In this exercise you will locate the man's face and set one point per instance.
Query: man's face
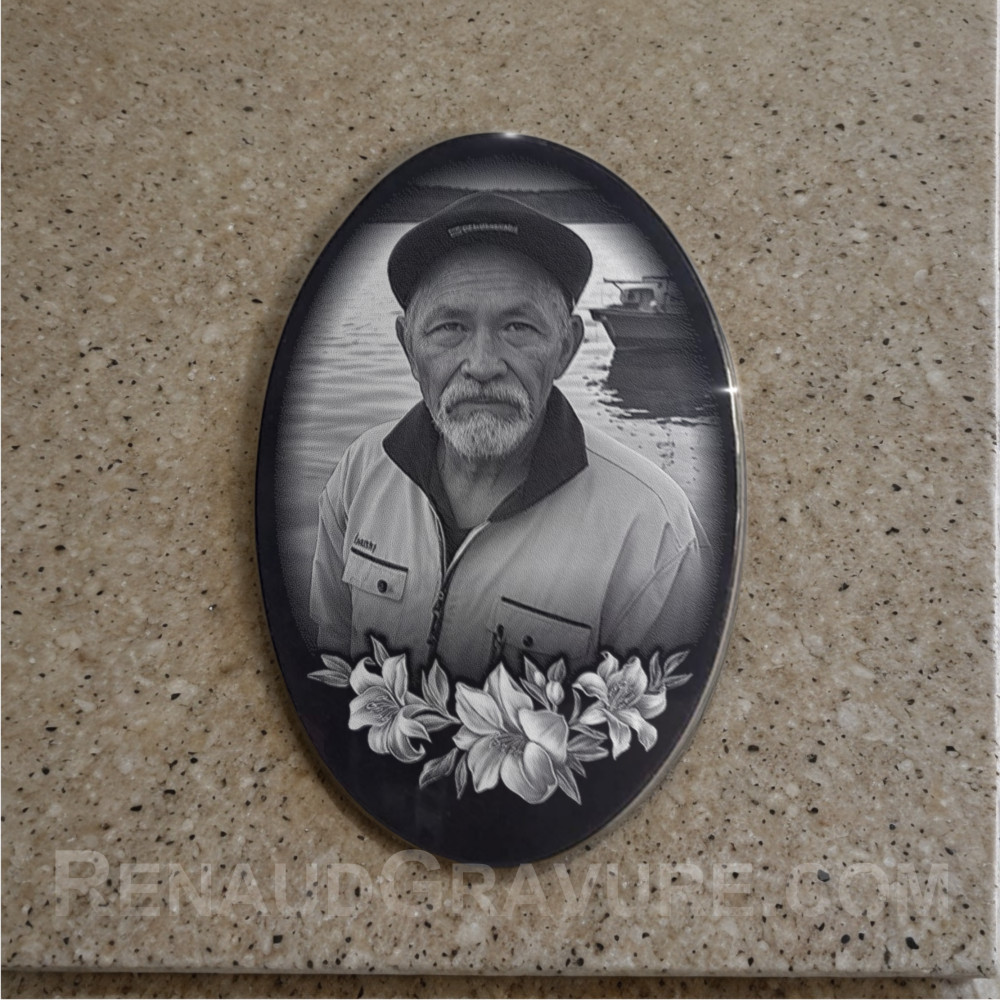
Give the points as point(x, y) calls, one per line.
point(486, 335)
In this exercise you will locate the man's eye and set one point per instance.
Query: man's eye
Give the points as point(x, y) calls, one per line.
point(519, 327)
point(450, 328)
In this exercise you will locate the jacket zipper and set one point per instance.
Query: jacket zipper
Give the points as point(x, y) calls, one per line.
point(447, 571)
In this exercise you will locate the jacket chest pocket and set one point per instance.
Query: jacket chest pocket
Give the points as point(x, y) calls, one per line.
point(377, 589)
point(541, 635)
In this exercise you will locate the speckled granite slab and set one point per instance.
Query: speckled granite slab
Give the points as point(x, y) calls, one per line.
point(170, 173)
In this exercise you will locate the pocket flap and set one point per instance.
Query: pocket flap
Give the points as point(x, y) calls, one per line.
point(374, 576)
point(535, 630)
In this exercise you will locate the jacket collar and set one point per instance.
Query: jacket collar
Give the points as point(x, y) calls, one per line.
point(560, 453)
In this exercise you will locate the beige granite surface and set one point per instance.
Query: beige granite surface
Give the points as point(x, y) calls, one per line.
point(171, 170)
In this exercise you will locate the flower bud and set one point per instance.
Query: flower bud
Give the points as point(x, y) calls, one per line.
point(557, 672)
point(554, 692)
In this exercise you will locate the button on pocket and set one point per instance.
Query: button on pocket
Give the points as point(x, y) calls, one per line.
point(523, 628)
point(375, 576)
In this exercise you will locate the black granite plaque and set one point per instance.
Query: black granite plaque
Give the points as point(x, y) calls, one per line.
point(500, 500)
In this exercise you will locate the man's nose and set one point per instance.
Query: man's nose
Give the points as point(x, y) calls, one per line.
point(484, 360)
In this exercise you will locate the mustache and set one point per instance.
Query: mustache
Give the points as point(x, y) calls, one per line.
point(464, 392)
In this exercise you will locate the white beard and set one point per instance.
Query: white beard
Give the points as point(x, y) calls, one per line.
point(483, 436)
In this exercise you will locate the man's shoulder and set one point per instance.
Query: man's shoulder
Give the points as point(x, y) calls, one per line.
point(365, 455)
point(368, 444)
point(616, 466)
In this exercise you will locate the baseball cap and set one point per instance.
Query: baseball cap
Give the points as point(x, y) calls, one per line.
point(494, 220)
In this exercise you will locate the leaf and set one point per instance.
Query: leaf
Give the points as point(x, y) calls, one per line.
point(586, 739)
point(334, 678)
point(575, 764)
point(440, 767)
point(435, 688)
point(568, 783)
point(586, 748)
point(535, 691)
point(674, 661)
point(337, 665)
point(461, 775)
point(594, 734)
point(586, 756)
point(381, 653)
point(660, 678)
point(432, 719)
point(676, 682)
point(437, 723)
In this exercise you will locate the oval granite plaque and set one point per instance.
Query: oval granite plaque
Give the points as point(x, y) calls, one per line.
point(500, 500)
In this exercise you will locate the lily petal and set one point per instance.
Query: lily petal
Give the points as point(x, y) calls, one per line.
point(378, 739)
point(508, 695)
point(647, 734)
point(401, 748)
point(592, 685)
point(435, 686)
point(410, 727)
point(478, 711)
point(608, 667)
point(634, 678)
point(621, 737)
point(651, 705)
point(370, 707)
point(548, 730)
point(593, 715)
point(466, 739)
point(529, 774)
point(484, 762)
point(396, 679)
point(362, 679)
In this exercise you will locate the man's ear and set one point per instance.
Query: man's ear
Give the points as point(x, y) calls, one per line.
point(571, 343)
point(401, 337)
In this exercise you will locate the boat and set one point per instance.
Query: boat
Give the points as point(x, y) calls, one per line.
point(649, 313)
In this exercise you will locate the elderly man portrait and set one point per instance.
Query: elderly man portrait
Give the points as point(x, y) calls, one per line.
point(489, 523)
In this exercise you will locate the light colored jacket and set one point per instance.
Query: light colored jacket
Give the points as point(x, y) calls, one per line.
point(610, 558)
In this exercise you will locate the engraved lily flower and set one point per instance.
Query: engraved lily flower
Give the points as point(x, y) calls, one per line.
point(622, 700)
point(393, 712)
point(507, 739)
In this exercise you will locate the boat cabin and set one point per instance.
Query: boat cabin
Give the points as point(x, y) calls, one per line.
point(650, 294)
